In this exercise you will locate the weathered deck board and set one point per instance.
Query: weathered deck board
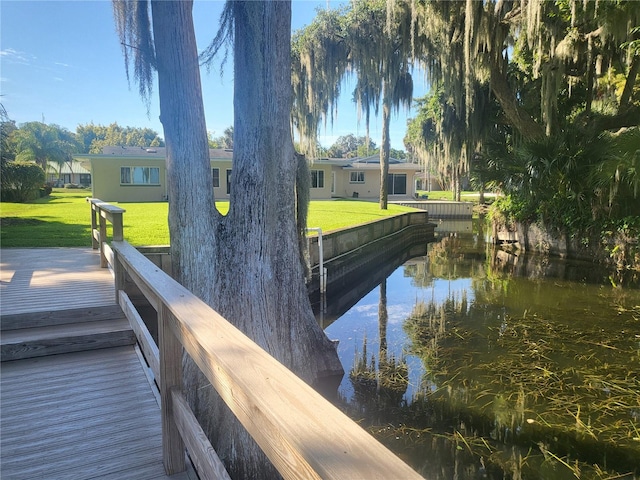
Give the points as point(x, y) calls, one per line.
point(60, 365)
point(84, 398)
point(50, 318)
point(45, 279)
point(80, 415)
point(84, 415)
point(73, 337)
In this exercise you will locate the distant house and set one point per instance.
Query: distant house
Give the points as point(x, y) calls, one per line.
point(60, 175)
point(360, 177)
point(138, 174)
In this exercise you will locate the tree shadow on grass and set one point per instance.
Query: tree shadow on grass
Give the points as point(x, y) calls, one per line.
point(33, 232)
point(75, 196)
point(19, 222)
point(55, 199)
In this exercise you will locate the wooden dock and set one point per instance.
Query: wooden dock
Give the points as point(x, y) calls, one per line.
point(440, 208)
point(46, 279)
point(78, 392)
point(93, 413)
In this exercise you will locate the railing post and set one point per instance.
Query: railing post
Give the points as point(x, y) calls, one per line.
point(170, 378)
point(103, 238)
point(116, 222)
point(94, 224)
point(321, 269)
point(119, 274)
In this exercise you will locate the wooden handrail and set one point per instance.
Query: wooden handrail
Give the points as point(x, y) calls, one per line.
point(302, 433)
point(100, 213)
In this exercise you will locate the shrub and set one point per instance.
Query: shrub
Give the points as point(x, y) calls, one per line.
point(46, 190)
point(21, 181)
point(511, 208)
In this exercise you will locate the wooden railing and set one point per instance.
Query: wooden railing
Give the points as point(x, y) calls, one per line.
point(303, 434)
point(100, 213)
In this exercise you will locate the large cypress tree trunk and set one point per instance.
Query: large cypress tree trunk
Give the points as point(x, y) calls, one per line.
point(260, 231)
point(247, 264)
point(191, 207)
point(259, 281)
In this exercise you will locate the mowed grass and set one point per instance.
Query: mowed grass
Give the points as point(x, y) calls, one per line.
point(64, 219)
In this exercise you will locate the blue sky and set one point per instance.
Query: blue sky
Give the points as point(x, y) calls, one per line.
point(61, 62)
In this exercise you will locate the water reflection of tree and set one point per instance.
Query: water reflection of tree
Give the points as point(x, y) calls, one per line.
point(508, 391)
point(456, 256)
point(419, 272)
point(380, 385)
point(453, 256)
point(426, 327)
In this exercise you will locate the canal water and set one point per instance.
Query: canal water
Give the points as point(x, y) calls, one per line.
point(473, 362)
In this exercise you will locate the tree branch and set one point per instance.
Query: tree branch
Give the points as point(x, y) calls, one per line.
point(517, 116)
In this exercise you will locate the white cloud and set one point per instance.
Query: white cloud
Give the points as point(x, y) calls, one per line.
point(397, 314)
point(9, 54)
point(368, 309)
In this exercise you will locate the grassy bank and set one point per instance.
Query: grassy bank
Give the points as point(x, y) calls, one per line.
point(63, 219)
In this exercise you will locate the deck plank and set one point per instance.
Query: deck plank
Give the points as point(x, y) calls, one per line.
point(59, 317)
point(81, 328)
point(151, 472)
point(97, 425)
point(48, 387)
point(73, 337)
point(83, 398)
point(57, 362)
point(84, 415)
point(46, 279)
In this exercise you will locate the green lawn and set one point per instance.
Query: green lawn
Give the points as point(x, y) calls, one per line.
point(63, 219)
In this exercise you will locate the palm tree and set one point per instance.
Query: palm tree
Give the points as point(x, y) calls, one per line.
point(544, 63)
point(383, 71)
point(44, 144)
point(371, 39)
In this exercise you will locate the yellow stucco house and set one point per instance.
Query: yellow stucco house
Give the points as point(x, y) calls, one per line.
point(138, 174)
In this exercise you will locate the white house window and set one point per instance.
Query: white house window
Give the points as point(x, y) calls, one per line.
point(215, 174)
point(140, 175)
point(356, 177)
point(317, 178)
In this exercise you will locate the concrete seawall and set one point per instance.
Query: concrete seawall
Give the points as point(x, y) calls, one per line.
point(348, 252)
point(352, 252)
point(345, 240)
